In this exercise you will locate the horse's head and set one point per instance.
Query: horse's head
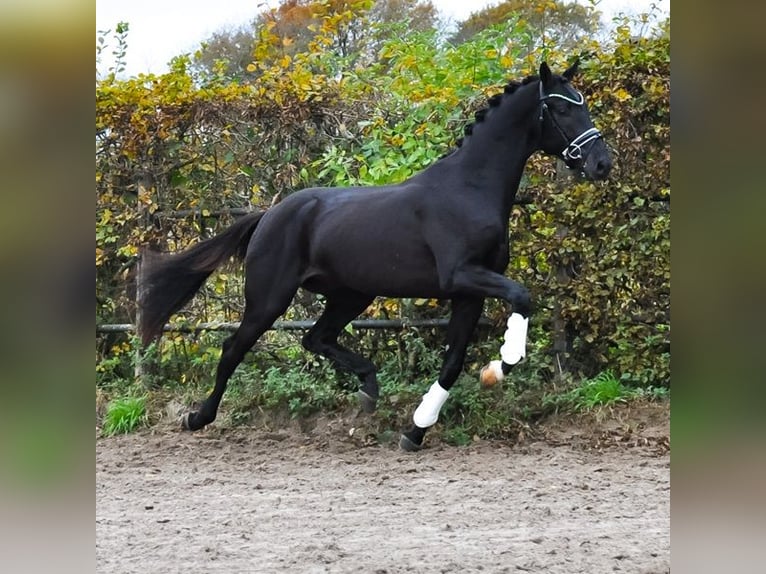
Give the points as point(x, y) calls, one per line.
point(567, 128)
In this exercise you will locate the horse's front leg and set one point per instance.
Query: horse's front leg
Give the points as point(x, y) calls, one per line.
point(465, 314)
point(478, 279)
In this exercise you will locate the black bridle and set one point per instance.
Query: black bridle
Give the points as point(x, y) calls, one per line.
point(574, 148)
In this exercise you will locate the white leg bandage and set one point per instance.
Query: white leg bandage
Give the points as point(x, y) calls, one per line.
point(427, 412)
point(514, 349)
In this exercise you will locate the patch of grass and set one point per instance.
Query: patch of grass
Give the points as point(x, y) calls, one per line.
point(457, 436)
point(602, 390)
point(124, 415)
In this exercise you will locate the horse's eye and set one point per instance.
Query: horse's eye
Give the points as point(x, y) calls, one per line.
point(562, 106)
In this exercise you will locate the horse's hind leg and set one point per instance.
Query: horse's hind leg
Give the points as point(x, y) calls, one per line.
point(322, 338)
point(465, 315)
point(265, 302)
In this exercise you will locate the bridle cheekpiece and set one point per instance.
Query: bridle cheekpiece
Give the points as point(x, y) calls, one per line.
point(574, 149)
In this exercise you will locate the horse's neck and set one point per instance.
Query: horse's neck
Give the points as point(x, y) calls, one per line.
point(492, 159)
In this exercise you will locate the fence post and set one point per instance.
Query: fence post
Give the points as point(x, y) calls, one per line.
point(139, 372)
point(558, 324)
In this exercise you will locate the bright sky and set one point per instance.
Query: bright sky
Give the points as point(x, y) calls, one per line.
point(162, 29)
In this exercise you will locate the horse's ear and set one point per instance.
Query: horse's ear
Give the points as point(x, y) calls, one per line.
point(545, 74)
point(572, 70)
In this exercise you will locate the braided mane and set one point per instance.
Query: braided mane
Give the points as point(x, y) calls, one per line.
point(492, 102)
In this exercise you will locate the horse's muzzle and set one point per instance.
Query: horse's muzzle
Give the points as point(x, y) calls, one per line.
point(598, 163)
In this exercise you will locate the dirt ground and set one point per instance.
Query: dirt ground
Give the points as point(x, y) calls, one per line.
point(570, 496)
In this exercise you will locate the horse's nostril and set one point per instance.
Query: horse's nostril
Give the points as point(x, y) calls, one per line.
point(603, 167)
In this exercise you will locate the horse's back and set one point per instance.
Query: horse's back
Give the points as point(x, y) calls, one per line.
point(368, 239)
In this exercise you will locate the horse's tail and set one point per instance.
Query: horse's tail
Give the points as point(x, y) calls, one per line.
point(169, 281)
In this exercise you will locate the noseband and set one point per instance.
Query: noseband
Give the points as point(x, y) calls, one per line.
point(573, 150)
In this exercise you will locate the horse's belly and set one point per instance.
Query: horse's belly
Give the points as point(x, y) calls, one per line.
point(394, 279)
point(380, 275)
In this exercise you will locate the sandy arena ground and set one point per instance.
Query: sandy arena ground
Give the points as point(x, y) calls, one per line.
point(248, 500)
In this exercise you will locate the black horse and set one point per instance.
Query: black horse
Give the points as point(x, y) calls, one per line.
point(443, 233)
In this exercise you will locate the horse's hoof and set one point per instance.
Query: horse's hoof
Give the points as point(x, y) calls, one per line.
point(187, 422)
point(367, 402)
point(407, 445)
point(412, 440)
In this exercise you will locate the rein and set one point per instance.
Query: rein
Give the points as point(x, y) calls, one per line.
point(573, 150)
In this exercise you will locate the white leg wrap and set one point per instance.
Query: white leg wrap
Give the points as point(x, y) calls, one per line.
point(515, 347)
point(427, 412)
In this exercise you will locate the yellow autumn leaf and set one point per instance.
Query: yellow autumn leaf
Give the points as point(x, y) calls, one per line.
point(622, 95)
point(128, 251)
